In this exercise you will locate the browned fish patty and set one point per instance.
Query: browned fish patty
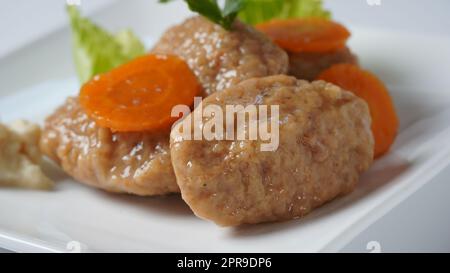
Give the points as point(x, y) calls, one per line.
point(222, 58)
point(325, 143)
point(136, 163)
point(307, 66)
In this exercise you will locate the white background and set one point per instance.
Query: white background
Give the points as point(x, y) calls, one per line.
point(421, 223)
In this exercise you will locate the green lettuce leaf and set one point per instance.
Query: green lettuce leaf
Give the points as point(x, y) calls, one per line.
point(258, 11)
point(96, 50)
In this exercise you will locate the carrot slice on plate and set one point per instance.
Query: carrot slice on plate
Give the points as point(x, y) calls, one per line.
point(139, 95)
point(306, 34)
point(368, 87)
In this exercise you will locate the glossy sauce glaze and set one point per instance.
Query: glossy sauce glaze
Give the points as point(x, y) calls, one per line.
point(221, 58)
point(137, 163)
point(325, 143)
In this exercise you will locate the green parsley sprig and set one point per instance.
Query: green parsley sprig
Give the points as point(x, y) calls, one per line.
point(255, 11)
point(211, 9)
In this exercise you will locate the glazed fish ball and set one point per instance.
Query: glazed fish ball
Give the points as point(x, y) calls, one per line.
point(308, 65)
point(221, 58)
point(325, 143)
point(135, 163)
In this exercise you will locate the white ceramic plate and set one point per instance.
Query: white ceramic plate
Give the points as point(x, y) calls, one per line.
point(36, 79)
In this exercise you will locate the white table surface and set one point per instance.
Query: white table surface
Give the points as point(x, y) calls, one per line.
point(422, 222)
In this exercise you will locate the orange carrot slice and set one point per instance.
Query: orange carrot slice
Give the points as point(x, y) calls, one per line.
point(306, 34)
point(368, 87)
point(139, 95)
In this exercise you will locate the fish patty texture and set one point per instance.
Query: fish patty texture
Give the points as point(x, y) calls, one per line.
point(325, 143)
point(221, 58)
point(135, 163)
